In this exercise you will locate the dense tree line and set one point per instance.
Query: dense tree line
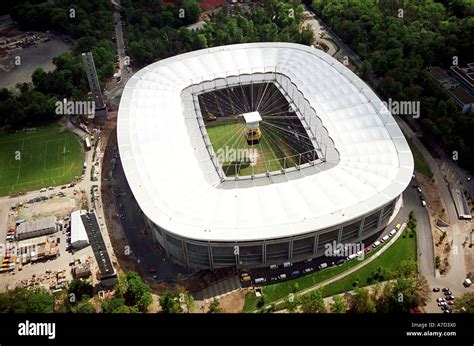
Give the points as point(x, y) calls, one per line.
point(398, 49)
point(407, 289)
point(90, 25)
point(131, 295)
point(155, 31)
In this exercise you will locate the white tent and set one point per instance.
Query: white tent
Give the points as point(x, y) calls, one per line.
point(79, 238)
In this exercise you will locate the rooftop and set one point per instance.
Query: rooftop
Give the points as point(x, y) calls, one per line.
point(174, 179)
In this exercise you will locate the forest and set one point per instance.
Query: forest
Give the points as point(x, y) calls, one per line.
point(397, 51)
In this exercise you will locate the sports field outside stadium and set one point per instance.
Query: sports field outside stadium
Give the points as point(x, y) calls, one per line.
point(39, 157)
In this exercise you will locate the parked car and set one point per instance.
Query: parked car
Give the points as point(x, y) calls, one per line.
point(445, 289)
point(307, 270)
point(436, 289)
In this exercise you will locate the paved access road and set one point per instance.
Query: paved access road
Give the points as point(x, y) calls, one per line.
point(457, 231)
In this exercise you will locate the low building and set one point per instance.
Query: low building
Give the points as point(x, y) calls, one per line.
point(37, 249)
point(81, 271)
point(462, 98)
point(79, 238)
point(36, 228)
point(465, 76)
point(459, 82)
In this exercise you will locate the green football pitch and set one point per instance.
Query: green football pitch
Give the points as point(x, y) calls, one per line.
point(272, 153)
point(42, 157)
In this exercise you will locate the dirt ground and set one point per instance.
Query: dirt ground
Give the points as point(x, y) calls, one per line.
point(436, 210)
point(59, 207)
point(233, 302)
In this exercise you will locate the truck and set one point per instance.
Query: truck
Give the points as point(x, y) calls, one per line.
point(467, 282)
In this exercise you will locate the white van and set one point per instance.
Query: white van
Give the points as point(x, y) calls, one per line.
point(351, 257)
point(323, 265)
point(377, 243)
point(287, 264)
point(423, 203)
point(385, 238)
point(392, 232)
point(282, 276)
point(260, 280)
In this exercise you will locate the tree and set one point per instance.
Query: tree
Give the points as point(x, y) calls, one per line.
point(83, 307)
point(135, 292)
point(291, 303)
point(313, 302)
point(214, 307)
point(465, 303)
point(40, 301)
point(77, 289)
point(191, 11)
point(188, 301)
point(362, 301)
point(169, 303)
point(339, 305)
point(113, 304)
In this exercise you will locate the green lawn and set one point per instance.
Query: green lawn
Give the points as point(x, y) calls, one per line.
point(39, 158)
point(421, 166)
point(282, 289)
point(269, 154)
point(404, 249)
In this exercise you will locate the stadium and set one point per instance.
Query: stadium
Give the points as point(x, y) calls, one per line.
point(257, 154)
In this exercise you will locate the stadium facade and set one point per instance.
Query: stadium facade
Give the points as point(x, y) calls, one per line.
point(204, 218)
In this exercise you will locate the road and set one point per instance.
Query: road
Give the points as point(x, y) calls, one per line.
point(114, 95)
point(457, 229)
point(318, 24)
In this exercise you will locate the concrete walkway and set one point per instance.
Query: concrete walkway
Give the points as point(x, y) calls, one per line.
point(346, 273)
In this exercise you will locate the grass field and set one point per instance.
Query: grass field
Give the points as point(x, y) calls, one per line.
point(403, 249)
point(40, 158)
point(421, 166)
point(269, 154)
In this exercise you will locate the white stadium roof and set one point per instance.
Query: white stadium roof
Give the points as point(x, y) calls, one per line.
point(172, 178)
